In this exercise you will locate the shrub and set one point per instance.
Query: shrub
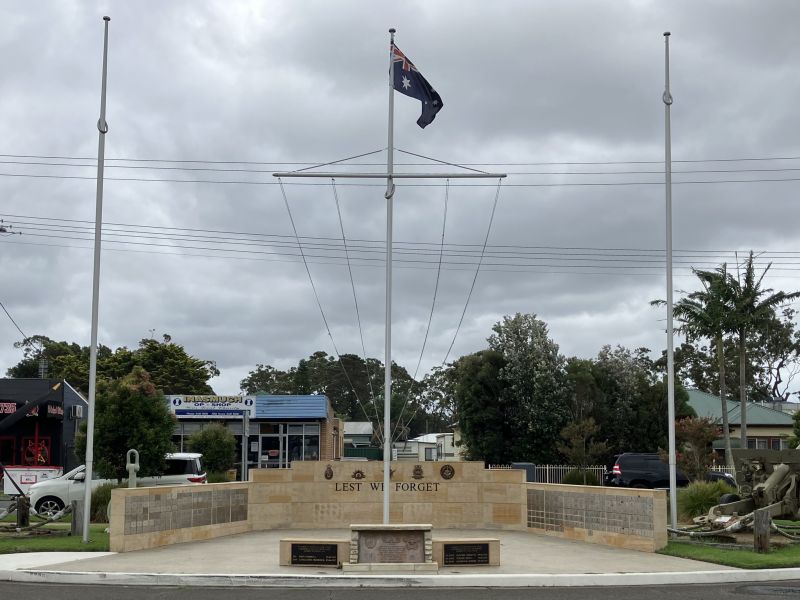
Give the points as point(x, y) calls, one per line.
point(699, 496)
point(576, 477)
point(217, 477)
point(100, 499)
point(217, 445)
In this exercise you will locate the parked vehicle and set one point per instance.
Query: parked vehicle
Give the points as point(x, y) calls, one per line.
point(49, 497)
point(645, 470)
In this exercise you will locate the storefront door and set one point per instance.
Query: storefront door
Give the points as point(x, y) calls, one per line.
point(273, 450)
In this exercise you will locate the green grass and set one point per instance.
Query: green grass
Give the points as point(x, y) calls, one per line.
point(56, 543)
point(787, 556)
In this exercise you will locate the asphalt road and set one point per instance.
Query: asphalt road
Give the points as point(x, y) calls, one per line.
point(760, 591)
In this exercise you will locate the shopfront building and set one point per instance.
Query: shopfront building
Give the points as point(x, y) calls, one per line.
point(39, 419)
point(273, 430)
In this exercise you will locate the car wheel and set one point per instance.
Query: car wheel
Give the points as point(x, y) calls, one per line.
point(728, 498)
point(49, 506)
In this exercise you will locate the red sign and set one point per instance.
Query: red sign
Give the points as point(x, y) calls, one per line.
point(8, 408)
point(54, 410)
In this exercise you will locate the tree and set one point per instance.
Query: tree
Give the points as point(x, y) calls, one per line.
point(64, 360)
point(217, 445)
point(794, 441)
point(629, 400)
point(353, 385)
point(130, 413)
point(707, 314)
point(579, 446)
point(266, 379)
point(536, 389)
point(171, 368)
point(694, 436)
point(753, 308)
point(488, 424)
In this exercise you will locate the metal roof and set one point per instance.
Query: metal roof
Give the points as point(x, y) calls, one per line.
point(708, 405)
point(291, 407)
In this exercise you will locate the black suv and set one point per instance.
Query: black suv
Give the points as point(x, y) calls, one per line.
point(640, 470)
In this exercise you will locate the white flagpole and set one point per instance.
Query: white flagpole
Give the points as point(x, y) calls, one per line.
point(102, 128)
point(667, 98)
point(387, 380)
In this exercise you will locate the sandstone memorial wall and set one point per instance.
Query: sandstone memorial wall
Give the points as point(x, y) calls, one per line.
point(334, 495)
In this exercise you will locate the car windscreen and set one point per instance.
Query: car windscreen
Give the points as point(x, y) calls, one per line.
point(183, 466)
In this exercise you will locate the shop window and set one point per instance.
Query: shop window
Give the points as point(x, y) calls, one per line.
point(311, 447)
point(8, 456)
point(36, 452)
point(295, 446)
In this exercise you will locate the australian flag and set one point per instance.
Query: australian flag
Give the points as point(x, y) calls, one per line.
point(409, 81)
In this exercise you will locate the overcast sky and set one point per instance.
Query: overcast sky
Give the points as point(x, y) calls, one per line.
point(529, 88)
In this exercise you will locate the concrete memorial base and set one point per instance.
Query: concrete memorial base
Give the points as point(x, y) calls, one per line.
point(395, 547)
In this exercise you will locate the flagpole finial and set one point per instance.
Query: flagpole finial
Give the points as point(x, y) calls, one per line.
point(393, 30)
point(667, 34)
point(106, 18)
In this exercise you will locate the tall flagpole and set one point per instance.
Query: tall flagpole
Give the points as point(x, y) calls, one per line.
point(667, 98)
point(387, 379)
point(102, 128)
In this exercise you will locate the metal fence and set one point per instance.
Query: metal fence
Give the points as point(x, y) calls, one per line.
point(551, 473)
point(556, 473)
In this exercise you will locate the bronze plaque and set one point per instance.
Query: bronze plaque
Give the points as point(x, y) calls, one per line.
point(466, 554)
point(315, 554)
point(391, 547)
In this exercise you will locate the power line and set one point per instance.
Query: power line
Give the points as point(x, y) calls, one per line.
point(551, 259)
point(279, 163)
point(599, 271)
point(8, 314)
point(408, 185)
point(543, 252)
point(443, 163)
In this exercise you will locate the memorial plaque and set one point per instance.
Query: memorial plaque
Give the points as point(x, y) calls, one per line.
point(391, 547)
point(466, 554)
point(315, 554)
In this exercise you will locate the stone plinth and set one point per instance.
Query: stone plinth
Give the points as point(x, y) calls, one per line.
point(391, 547)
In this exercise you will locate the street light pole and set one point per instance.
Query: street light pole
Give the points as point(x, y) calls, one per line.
point(667, 98)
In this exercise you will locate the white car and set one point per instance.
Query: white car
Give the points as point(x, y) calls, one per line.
point(49, 497)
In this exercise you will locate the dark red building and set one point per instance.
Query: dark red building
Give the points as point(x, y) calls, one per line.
point(39, 420)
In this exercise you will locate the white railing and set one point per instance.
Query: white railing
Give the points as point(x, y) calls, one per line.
point(721, 469)
point(555, 473)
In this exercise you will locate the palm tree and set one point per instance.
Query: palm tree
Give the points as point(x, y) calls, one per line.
point(753, 307)
point(706, 314)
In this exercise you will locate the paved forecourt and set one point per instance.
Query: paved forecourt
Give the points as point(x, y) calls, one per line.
point(252, 559)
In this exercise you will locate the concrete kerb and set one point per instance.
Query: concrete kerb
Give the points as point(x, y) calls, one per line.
point(421, 581)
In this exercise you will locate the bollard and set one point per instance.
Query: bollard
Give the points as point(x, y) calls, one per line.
point(761, 523)
point(76, 527)
point(132, 466)
point(23, 512)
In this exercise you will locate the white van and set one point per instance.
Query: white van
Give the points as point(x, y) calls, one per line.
point(49, 497)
